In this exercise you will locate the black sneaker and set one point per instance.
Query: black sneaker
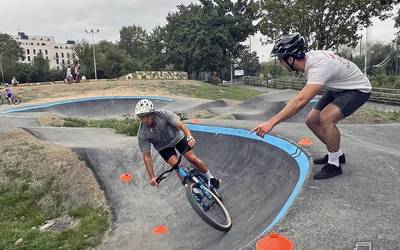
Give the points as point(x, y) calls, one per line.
point(324, 159)
point(328, 171)
point(215, 183)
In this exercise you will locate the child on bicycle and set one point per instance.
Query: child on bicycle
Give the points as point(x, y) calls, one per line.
point(9, 94)
point(164, 130)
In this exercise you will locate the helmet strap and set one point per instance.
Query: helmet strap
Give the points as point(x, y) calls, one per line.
point(290, 64)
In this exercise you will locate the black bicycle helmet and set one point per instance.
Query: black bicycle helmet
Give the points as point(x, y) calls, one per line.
point(291, 45)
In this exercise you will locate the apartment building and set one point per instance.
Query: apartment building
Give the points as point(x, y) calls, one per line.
point(59, 54)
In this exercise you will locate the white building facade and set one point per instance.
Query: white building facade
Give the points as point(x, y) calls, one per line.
point(60, 55)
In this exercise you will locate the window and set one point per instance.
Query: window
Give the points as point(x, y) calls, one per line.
point(38, 43)
point(41, 39)
point(34, 51)
point(48, 39)
point(60, 47)
point(69, 62)
point(56, 54)
point(43, 44)
point(66, 47)
point(57, 61)
point(31, 43)
point(40, 51)
point(47, 58)
point(46, 52)
point(73, 55)
point(27, 51)
point(67, 55)
point(56, 47)
point(62, 55)
point(58, 67)
point(63, 62)
point(29, 58)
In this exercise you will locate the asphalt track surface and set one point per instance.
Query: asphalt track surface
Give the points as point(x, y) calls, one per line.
point(261, 178)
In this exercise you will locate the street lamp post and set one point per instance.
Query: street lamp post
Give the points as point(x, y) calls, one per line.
point(94, 52)
point(366, 51)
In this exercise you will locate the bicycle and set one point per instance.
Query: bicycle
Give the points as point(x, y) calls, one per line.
point(14, 99)
point(207, 203)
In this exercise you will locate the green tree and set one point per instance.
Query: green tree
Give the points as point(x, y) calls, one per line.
point(133, 39)
point(249, 62)
point(84, 51)
point(40, 69)
point(10, 53)
point(156, 56)
point(205, 37)
point(111, 60)
point(325, 24)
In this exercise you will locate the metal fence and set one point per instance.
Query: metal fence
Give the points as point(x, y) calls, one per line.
point(381, 95)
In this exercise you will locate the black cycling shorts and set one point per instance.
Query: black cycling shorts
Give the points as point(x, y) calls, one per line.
point(347, 101)
point(181, 146)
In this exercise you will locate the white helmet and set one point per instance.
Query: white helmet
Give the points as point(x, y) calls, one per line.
point(143, 107)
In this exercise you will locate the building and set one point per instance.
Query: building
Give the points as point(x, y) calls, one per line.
point(60, 55)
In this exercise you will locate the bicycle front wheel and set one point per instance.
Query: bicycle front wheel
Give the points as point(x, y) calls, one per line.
point(208, 207)
point(16, 100)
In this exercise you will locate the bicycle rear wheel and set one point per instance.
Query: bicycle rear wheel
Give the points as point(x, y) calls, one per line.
point(16, 100)
point(210, 208)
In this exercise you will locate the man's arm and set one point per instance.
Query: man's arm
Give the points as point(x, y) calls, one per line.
point(294, 106)
point(182, 126)
point(148, 162)
point(297, 103)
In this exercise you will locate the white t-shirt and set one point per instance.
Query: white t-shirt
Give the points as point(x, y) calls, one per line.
point(334, 72)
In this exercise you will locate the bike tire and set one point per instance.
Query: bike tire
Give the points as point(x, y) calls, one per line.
point(16, 100)
point(206, 215)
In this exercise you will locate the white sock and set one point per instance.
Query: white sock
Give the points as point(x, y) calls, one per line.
point(333, 158)
point(208, 175)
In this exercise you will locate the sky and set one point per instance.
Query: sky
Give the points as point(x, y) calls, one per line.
point(67, 20)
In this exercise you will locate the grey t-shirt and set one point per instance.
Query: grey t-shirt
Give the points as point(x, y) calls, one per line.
point(163, 134)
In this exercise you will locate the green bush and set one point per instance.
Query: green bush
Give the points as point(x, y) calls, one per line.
point(385, 81)
point(127, 125)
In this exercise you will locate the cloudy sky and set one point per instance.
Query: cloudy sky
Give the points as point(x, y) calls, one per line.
point(67, 20)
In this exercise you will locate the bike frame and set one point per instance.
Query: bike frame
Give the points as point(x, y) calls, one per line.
point(184, 175)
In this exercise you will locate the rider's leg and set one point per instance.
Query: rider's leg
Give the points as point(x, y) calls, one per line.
point(199, 164)
point(329, 117)
point(169, 155)
point(313, 118)
point(314, 124)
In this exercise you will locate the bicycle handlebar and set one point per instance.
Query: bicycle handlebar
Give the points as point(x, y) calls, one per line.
point(166, 173)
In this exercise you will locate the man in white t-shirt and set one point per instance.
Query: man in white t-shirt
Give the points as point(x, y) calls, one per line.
point(346, 89)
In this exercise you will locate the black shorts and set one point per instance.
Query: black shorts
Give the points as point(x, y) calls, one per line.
point(181, 146)
point(347, 101)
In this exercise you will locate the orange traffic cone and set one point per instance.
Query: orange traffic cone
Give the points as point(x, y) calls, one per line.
point(274, 241)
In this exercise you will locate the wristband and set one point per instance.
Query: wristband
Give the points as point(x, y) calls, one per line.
point(189, 138)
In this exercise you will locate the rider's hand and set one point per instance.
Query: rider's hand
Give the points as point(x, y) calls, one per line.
point(153, 182)
point(191, 141)
point(263, 128)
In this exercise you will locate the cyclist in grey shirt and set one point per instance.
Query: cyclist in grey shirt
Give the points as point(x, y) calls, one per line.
point(164, 130)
